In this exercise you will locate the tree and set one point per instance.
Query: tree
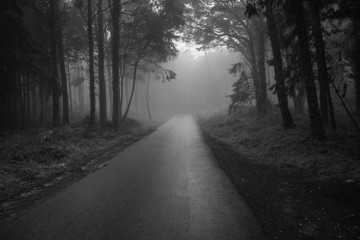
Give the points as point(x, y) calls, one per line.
point(91, 61)
point(101, 63)
point(223, 23)
point(64, 86)
point(253, 8)
point(115, 51)
point(306, 66)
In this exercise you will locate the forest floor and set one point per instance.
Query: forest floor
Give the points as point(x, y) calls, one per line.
point(36, 163)
point(298, 187)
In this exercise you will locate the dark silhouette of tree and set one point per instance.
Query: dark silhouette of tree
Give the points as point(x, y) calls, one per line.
point(306, 66)
point(253, 9)
point(101, 63)
point(91, 61)
point(115, 51)
point(64, 85)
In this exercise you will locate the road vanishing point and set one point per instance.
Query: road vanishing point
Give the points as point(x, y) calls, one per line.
point(166, 186)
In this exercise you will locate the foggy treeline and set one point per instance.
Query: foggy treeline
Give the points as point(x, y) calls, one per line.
point(62, 60)
point(66, 60)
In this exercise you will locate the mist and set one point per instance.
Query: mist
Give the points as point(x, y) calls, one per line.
point(201, 87)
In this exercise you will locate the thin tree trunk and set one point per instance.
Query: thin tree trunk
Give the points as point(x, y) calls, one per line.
point(54, 73)
point(102, 85)
point(70, 93)
point(122, 75)
point(147, 97)
point(110, 88)
point(331, 111)
point(306, 67)
point(42, 102)
point(115, 37)
point(279, 77)
point(65, 99)
point(28, 102)
point(91, 62)
point(132, 90)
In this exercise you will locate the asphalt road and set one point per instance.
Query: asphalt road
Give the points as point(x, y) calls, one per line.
point(166, 186)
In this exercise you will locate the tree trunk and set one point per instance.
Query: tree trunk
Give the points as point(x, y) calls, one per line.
point(279, 77)
point(132, 90)
point(66, 117)
point(91, 62)
point(70, 93)
point(356, 51)
point(115, 41)
point(42, 102)
point(321, 61)
point(102, 85)
point(54, 73)
point(306, 67)
point(147, 97)
point(261, 65)
point(299, 99)
point(122, 75)
point(255, 76)
point(110, 87)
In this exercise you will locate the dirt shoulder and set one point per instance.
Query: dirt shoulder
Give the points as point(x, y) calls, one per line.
point(38, 163)
point(298, 188)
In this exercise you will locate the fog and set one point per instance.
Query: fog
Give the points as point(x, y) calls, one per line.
point(201, 85)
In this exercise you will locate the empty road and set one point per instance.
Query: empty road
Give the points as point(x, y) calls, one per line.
point(166, 186)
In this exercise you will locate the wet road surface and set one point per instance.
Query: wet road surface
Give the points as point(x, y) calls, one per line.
point(166, 186)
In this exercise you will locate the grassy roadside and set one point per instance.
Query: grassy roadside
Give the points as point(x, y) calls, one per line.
point(39, 162)
point(298, 188)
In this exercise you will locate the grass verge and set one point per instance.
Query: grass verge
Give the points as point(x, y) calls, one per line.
point(299, 188)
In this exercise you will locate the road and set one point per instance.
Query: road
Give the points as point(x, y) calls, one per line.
point(166, 186)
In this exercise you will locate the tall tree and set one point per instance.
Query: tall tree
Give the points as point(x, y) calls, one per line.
point(115, 51)
point(278, 65)
point(64, 88)
point(91, 61)
point(306, 66)
point(356, 49)
point(55, 86)
point(101, 63)
point(321, 60)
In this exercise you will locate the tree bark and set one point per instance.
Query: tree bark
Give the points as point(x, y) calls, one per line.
point(132, 90)
point(115, 41)
point(321, 61)
point(279, 77)
point(91, 62)
point(147, 97)
point(65, 97)
point(356, 51)
point(255, 76)
point(102, 85)
point(261, 65)
point(54, 72)
point(306, 68)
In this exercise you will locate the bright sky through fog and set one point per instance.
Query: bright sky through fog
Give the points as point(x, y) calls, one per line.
point(184, 48)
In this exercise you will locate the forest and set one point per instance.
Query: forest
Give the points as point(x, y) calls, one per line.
point(53, 50)
point(274, 82)
point(64, 60)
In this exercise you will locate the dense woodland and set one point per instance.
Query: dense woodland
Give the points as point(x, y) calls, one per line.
point(51, 48)
point(62, 60)
point(313, 47)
